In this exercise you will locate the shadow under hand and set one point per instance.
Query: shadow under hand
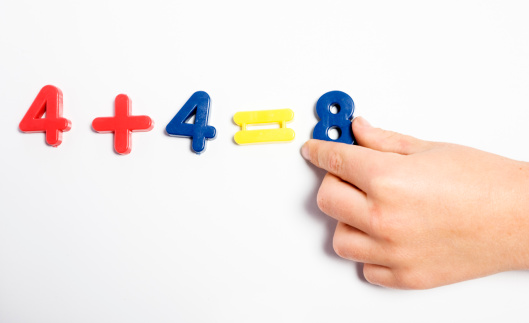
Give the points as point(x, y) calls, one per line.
point(311, 206)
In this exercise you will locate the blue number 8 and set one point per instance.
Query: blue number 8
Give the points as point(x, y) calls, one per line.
point(339, 120)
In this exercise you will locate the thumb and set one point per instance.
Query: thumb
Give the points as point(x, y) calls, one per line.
point(385, 140)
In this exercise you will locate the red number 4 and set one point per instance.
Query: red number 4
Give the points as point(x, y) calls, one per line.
point(49, 101)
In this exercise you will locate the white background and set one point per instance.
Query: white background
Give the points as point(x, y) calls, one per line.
point(234, 235)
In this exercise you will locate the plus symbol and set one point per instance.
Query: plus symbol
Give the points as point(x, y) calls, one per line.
point(122, 124)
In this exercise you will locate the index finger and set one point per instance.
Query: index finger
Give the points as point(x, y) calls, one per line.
point(351, 163)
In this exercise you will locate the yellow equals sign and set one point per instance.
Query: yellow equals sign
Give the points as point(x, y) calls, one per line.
point(263, 117)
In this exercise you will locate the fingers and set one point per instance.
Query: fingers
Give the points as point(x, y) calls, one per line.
point(353, 244)
point(386, 141)
point(351, 163)
point(344, 202)
point(380, 275)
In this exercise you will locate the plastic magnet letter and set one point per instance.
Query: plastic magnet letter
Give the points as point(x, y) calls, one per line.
point(339, 119)
point(49, 101)
point(198, 105)
point(281, 116)
point(122, 124)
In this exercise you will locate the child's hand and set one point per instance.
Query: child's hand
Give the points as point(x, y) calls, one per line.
point(423, 214)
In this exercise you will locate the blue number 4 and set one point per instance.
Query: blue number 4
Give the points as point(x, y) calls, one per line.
point(198, 105)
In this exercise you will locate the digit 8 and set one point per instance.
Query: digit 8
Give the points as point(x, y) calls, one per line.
point(341, 120)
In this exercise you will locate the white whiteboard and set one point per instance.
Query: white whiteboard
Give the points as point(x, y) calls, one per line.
point(234, 235)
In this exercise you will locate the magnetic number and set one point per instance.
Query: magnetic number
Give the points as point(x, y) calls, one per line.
point(335, 110)
point(199, 131)
point(49, 101)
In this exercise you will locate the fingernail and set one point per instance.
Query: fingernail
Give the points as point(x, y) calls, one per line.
point(363, 122)
point(305, 151)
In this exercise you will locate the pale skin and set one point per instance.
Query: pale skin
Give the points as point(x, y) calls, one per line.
point(422, 214)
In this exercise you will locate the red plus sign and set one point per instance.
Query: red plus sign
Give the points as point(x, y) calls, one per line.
point(122, 124)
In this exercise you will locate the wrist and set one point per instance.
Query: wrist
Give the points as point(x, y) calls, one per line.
point(521, 218)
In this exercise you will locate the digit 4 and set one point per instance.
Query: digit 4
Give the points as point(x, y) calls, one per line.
point(197, 105)
point(49, 101)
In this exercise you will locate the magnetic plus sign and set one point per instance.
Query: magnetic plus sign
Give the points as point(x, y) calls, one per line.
point(122, 124)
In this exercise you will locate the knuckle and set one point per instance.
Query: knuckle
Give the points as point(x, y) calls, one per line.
point(338, 246)
point(401, 143)
point(346, 251)
point(375, 221)
point(373, 276)
point(335, 162)
point(391, 135)
point(382, 137)
point(382, 182)
point(382, 228)
point(322, 199)
point(386, 182)
point(411, 279)
point(370, 275)
point(385, 226)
